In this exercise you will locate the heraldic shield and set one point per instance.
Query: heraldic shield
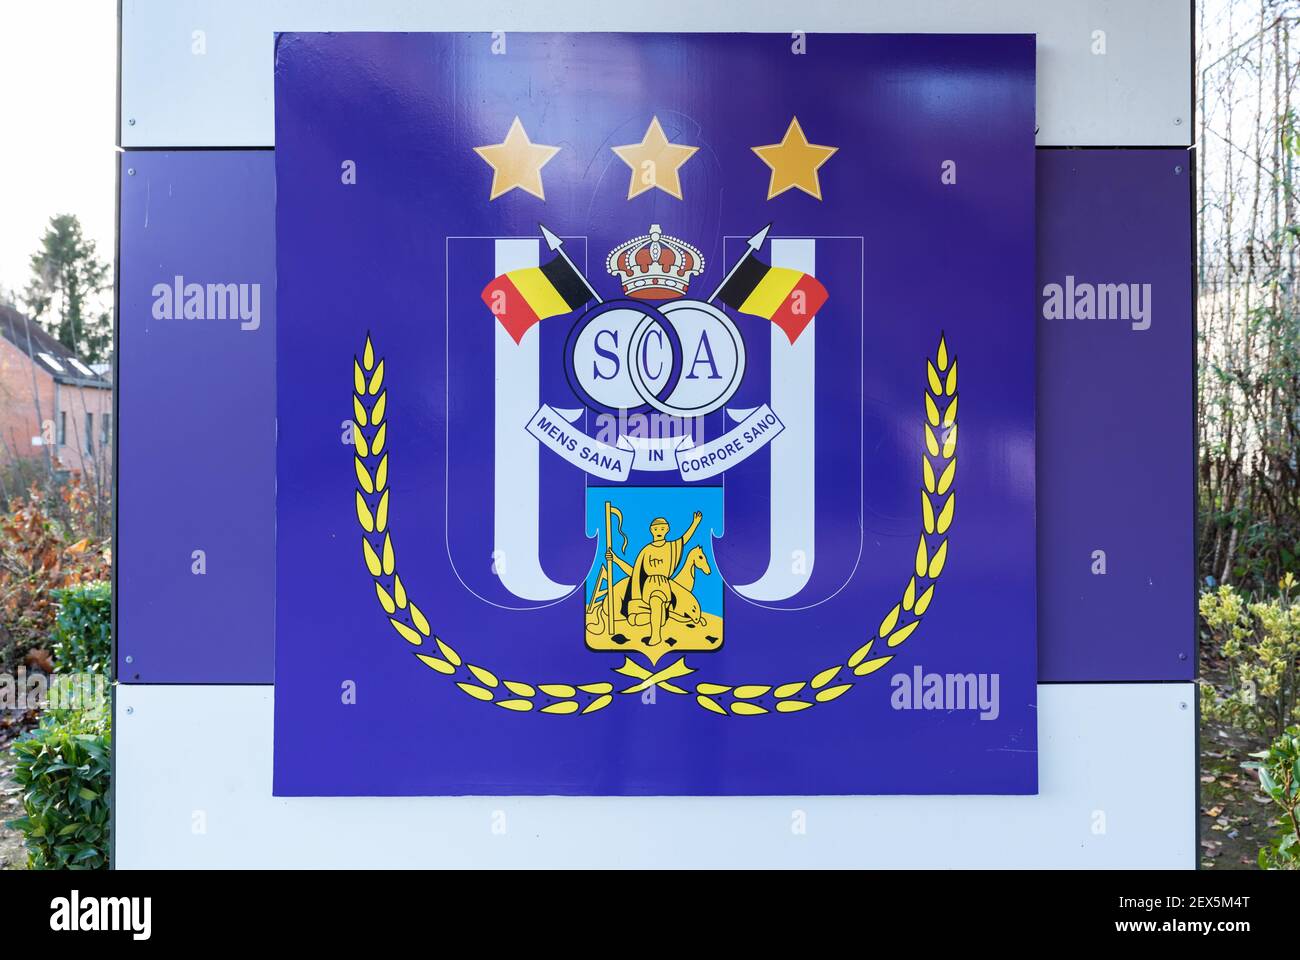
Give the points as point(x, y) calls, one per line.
point(653, 401)
point(662, 595)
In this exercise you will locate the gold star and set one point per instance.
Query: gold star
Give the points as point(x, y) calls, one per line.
point(794, 162)
point(655, 162)
point(516, 162)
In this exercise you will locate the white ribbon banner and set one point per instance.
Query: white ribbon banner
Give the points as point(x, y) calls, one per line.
point(599, 459)
point(756, 429)
point(654, 453)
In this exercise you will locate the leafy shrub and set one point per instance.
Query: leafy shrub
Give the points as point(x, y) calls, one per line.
point(63, 767)
point(82, 637)
point(1260, 644)
point(40, 553)
point(1279, 776)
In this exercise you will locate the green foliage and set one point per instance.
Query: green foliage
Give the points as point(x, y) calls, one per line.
point(63, 767)
point(67, 275)
point(1266, 547)
point(82, 638)
point(1260, 643)
point(1279, 777)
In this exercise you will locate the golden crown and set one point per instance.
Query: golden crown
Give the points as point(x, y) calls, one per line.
point(655, 266)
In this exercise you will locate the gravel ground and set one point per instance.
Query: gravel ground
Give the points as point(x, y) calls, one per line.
point(13, 856)
point(1236, 818)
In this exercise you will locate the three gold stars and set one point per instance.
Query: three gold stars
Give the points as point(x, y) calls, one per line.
point(794, 162)
point(655, 162)
point(517, 162)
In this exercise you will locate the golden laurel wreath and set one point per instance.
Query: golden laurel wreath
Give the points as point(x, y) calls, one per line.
point(938, 469)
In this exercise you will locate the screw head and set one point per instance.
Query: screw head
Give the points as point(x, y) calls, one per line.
point(130, 659)
point(130, 171)
point(131, 122)
point(1182, 656)
point(1178, 169)
point(1183, 705)
point(1178, 121)
point(130, 710)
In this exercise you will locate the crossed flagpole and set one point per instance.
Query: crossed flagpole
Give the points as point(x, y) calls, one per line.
point(752, 246)
point(557, 245)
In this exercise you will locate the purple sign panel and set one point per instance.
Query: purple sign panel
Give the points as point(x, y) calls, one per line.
point(1115, 448)
point(196, 439)
point(655, 414)
point(1130, 622)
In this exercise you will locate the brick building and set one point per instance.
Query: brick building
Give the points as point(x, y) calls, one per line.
point(51, 401)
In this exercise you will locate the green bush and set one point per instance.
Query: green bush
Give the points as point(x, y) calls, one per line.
point(1279, 776)
point(63, 767)
point(82, 639)
point(1260, 644)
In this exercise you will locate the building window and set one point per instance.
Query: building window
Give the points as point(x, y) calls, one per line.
point(90, 433)
point(63, 427)
point(105, 429)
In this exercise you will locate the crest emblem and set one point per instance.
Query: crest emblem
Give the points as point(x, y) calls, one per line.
point(657, 351)
point(656, 375)
point(635, 400)
point(663, 595)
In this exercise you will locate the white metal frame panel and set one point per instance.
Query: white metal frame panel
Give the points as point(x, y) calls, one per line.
point(198, 73)
point(1117, 762)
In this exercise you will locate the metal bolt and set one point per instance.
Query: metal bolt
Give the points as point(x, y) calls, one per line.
point(1182, 656)
point(1178, 169)
point(130, 171)
point(130, 659)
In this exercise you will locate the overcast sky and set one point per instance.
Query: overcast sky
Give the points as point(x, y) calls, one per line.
point(58, 102)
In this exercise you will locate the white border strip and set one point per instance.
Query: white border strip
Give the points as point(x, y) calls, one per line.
point(194, 790)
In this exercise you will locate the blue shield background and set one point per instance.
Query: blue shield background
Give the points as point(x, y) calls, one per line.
point(372, 257)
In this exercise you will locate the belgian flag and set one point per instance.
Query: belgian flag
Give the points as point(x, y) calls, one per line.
point(522, 297)
point(789, 298)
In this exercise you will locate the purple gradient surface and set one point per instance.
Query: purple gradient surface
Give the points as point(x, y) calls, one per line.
point(196, 444)
point(1115, 425)
point(1100, 484)
point(370, 258)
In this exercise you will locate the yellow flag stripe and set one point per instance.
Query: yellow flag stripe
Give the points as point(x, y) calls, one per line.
point(540, 293)
point(766, 298)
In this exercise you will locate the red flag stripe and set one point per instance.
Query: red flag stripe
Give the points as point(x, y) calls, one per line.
point(509, 306)
point(800, 306)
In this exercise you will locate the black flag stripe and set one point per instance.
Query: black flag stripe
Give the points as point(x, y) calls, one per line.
point(567, 282)
point(741, 284)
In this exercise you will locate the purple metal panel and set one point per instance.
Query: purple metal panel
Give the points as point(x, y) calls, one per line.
point(196, 455)
point(197, 423)
point(371, 258)
point(1115, 442)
